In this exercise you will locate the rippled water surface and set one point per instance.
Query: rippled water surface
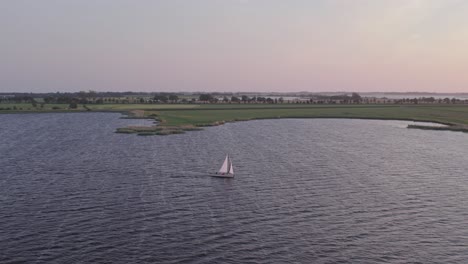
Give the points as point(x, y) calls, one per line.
point(306, 191)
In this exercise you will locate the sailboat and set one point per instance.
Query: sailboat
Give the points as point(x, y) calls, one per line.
point(226, 171)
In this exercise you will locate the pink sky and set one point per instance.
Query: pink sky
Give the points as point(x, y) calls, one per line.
point(234, 45)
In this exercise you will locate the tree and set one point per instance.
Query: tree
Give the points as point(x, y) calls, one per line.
point(173, 98)
point(73, 105)
point(161, 98)
point(205, 97)
point(429, 99)
point(235, 99)
point(245, 98)
point(356, 98)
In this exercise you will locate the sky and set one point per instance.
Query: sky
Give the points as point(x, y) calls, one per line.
point(234, 45)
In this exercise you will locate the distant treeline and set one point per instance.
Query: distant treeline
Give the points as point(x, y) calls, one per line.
point(163, 97)
point(430, 100)
point(92, 97)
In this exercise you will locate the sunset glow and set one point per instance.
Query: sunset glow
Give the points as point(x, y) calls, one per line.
point(234, 45)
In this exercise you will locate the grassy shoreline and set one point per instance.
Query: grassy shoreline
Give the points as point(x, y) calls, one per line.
point(176, 119)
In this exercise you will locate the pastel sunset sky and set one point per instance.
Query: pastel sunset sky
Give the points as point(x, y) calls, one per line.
point(234, 45)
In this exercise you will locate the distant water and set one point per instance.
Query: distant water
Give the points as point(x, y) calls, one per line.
point(306, 191)
point(463, 96)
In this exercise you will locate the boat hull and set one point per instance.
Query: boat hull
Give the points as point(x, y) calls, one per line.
point(222, 175)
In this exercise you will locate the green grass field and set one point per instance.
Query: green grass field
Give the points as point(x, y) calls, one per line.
point(125, 107)
point(205, 116)
point(18, 108)
point(175, 116)
point(177, 120)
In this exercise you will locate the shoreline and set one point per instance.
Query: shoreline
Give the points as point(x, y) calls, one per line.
point(179, 120)
point(159, 129)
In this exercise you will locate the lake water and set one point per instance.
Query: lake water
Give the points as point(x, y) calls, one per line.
point(305, 191)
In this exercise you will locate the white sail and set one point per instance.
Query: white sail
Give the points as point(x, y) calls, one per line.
point(225, 167)
point(231, 170)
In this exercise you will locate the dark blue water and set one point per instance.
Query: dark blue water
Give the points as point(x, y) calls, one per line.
point(306, 191)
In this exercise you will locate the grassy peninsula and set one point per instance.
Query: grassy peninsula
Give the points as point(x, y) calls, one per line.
point(179, 117)
point(178, 120)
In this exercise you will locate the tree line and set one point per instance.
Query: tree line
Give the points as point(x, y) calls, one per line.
point(92, 97)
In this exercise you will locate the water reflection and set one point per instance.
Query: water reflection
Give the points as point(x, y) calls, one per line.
point(306, 191)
